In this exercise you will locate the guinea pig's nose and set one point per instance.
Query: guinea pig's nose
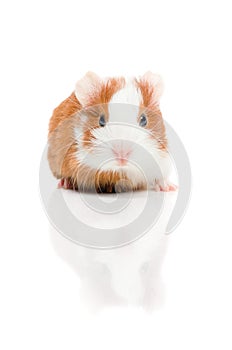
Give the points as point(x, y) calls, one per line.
point(121, 155)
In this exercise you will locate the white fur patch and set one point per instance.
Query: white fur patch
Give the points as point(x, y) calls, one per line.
point(83, 118)
point(86, 86)
point(145, 161)
point(124, 105)
point(128, 94)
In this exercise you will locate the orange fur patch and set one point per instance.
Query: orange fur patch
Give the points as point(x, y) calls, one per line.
point(154, 116)
point(66, 109)
point(106, 91)
point(62, 143)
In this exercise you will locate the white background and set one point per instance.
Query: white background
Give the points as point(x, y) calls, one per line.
point(45, 47)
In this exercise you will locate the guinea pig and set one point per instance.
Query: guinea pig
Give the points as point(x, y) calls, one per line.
point(109, 136)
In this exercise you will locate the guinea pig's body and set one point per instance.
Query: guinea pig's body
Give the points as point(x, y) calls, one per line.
point(109, 136)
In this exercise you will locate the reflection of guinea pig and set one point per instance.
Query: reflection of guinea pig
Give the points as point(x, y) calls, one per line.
point(100, 135)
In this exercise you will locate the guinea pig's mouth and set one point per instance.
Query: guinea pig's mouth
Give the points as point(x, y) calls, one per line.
point(122, 161)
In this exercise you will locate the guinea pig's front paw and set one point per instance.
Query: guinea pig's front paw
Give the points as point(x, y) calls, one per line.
point(164, 186)
point(67, 184)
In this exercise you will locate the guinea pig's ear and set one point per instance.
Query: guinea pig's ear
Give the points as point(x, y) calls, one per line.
point(86, 87)
point(156, 81)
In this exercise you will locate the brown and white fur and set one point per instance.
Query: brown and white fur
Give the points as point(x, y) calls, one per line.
point(89, 157)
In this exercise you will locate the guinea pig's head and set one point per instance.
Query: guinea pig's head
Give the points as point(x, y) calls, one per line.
point(120, 126)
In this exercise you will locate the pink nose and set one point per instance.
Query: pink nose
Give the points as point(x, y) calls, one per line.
point(121, 156)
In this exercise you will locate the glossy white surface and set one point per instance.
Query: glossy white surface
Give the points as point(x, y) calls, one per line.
point(54, 295)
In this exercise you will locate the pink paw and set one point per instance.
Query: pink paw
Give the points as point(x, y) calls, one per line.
point(164, 186)
point(67, 184)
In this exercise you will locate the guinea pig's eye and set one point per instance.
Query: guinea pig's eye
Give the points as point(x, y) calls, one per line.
point(143, 120)
point(102, 121)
